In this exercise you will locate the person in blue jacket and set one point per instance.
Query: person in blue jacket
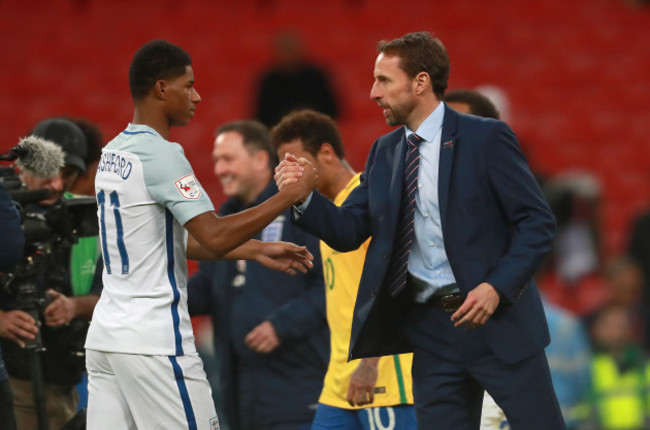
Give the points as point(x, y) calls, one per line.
point(271, 336)
point(10, 253)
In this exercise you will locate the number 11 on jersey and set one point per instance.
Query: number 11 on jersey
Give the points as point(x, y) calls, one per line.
point(115, 202)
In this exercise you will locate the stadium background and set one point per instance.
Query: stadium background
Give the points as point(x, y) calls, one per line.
point(576, 72)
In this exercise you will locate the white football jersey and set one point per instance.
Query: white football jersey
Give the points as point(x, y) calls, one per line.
point(146, 191)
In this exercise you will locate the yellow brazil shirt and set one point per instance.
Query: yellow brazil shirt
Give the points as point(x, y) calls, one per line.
point(342, 275)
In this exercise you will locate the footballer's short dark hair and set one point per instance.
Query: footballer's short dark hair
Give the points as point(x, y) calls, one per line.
point(478, 103)
point(312, 128)
point(156, 60)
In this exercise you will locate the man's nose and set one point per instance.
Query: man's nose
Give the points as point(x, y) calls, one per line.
point(219, 168)
point(374, 92)
point(56, 183)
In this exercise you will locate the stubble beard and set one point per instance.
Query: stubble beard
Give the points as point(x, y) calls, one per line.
point(400, 114)
point(396, 117)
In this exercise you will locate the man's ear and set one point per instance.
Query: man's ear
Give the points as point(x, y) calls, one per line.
point(326, 153)
point(261, 159)
point(159, 89)
point(422, 82)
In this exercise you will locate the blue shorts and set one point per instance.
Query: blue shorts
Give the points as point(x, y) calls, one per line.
point(383, 418)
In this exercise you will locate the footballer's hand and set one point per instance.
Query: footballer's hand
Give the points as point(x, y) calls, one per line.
point(18, 326)
point(297, 176)
point(361, 390)
point(263, 338)
point(288, 171)
point(285, 257)
point(478, 307)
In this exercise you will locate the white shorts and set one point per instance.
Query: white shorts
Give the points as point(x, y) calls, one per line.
point(147, 392)
point(492, 416)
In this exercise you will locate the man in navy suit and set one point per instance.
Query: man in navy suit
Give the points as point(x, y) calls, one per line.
point(469, 309)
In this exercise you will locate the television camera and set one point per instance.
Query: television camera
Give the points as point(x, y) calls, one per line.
point(46, 228)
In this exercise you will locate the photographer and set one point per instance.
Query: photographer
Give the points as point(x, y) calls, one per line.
point(10, 253)
point(63, 321)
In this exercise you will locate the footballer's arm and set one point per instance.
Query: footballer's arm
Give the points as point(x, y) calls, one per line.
point(283, 256)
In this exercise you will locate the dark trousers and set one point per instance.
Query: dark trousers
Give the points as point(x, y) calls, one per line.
point(452, 366)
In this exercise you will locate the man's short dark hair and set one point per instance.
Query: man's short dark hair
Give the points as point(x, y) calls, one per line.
point(420, 52)
point(478, 103)
point(256, 137)
point(312, 128)
point(154, 61)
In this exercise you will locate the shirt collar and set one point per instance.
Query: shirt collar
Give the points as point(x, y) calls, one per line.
point(347, 189)
point(430, 126)
point(134, 128)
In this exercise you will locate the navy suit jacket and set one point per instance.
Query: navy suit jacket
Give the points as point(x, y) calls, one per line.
point(497, 227)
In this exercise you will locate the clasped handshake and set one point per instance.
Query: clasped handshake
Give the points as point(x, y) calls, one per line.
point(296, 176)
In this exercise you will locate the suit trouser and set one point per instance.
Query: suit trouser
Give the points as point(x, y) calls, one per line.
point(452, 366)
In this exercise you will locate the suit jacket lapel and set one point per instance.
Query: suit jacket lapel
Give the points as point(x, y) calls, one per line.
point(397, 179)
point(448, 146)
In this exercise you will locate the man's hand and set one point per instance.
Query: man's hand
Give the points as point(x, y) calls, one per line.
point(288, 171)
point(61, 311)
point(18, 326)
point(262, 338)
point(285, 257)
point(361, 390)
point(296, 175)
point(478, 307)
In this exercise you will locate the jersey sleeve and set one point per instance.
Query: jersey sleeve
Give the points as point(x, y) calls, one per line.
point(171, 181)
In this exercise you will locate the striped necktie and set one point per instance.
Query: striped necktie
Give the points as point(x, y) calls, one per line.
point(405, 234)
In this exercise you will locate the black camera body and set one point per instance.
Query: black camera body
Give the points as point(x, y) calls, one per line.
point(29, 297)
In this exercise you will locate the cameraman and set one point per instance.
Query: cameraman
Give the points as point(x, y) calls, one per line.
point(63, 323)
point(10, 253)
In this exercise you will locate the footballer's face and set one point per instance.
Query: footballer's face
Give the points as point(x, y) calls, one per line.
point(393, 90)
point(181, 98)
point(296, 148)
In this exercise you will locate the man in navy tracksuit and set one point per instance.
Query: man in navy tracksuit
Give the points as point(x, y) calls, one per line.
point(271, 336)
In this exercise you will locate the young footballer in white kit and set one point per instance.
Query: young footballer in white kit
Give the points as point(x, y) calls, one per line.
point(143, 368)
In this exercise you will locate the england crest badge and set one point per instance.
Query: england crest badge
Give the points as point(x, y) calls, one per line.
point(273, 231)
